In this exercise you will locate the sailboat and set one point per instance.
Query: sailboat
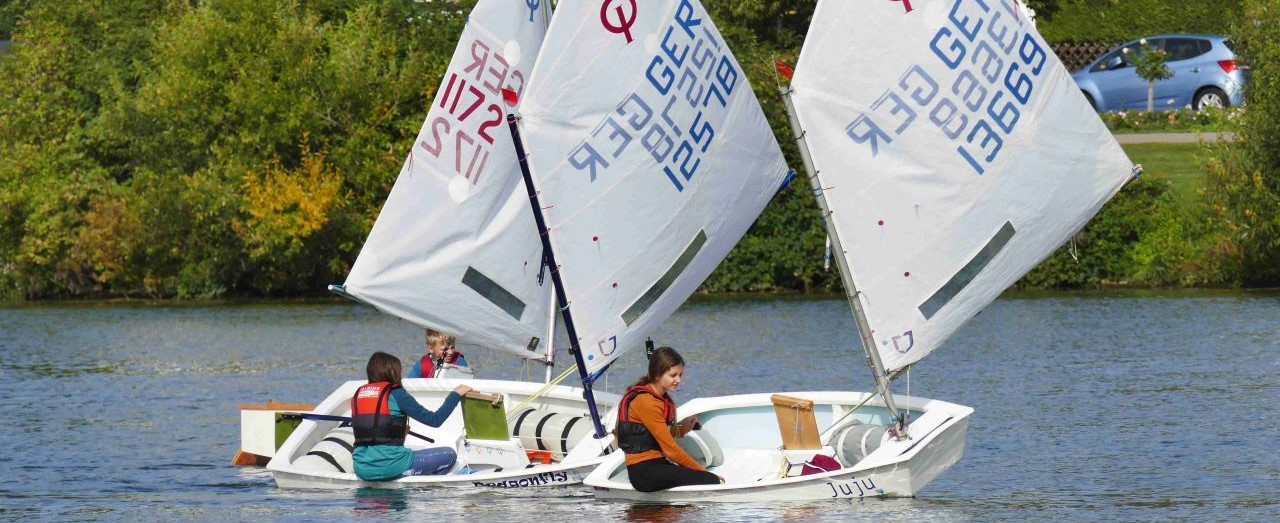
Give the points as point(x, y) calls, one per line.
point(649, 157)
point(949, 152)
point(456, 248)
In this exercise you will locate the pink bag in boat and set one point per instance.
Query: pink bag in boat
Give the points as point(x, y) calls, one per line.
point(818, 464)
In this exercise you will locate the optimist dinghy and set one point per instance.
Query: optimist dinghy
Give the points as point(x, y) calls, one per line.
point(541, 443)
point(950, 152)
point(456, 248)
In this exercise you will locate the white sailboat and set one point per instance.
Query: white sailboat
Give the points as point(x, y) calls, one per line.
point(649, 156)
point(456, 248)
point(950, 152)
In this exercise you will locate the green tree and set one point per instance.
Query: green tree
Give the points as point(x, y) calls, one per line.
point(1149, 61)
point(10, 12)
point(1115, 21)
point(71, 59)
point(144, 136)
point(1243, 186)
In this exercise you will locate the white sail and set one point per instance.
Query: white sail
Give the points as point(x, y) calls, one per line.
point(455, 246)
point(652, 158)
point(954, 151)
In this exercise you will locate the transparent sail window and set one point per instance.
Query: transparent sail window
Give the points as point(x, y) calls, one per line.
point(493, 292)
point(650, 296)
point(967, 273)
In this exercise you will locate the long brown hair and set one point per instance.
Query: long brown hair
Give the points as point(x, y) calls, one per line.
point(383, 367)
point(662, 360)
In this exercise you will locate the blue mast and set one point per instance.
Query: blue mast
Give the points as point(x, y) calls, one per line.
point(550, 256)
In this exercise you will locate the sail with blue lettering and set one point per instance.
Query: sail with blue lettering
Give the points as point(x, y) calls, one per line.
point(455, 247)
point(651, 157)
point(954, 152)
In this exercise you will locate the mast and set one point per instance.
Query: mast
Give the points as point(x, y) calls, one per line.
point(883, 380)
point(549, 360)
point(551, 325)
point(561, 298)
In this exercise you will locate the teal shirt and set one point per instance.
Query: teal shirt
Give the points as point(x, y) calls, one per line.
point(386, 462)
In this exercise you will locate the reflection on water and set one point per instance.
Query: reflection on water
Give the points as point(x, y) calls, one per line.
point(647, 513)
point(371, 501)
point(1089, 407)
point(51, 370)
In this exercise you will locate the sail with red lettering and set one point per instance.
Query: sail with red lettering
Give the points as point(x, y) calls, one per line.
point(455, 247)
point(651, 157)
point(954, 152)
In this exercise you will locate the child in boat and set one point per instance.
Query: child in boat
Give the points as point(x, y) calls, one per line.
point(440, 349)
point(647, 429)
point(380, 412)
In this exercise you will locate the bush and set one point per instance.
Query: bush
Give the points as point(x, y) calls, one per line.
point(1099, 254)
point(1243, 184)
point(1211, 119)
point(1121, 21)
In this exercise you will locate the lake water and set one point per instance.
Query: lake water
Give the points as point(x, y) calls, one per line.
point(1089, 407)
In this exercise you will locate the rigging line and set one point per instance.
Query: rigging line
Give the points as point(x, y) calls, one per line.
point(796, 429)
point(540, 392)
point(836, 423)
point(777, 80)
point(906, 413)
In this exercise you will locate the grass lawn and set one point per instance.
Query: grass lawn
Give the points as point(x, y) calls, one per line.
point(1177, 162)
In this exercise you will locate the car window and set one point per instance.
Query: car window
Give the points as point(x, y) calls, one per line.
point(1184, 48)
point(1104, 64)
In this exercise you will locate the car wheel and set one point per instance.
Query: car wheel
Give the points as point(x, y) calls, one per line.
point(1092, 103)
point(1210, 97)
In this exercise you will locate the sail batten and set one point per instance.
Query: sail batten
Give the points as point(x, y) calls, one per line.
point(952, 165)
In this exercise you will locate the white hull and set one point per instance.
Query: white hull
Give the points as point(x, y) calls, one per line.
point(293, 468)
point(746, 431)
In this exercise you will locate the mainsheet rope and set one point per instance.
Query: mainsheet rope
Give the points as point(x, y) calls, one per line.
point(538, 394)
point(836, 423)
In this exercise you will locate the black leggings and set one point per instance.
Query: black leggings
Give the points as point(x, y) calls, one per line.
point(659, 474)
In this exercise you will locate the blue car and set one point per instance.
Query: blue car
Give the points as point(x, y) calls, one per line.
point(1205, 74)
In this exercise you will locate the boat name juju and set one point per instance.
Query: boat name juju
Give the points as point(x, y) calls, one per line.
point(846, 489)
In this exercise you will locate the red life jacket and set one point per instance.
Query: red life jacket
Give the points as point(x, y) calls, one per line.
point(371, 418)
point(427, 366)
point(633, 436)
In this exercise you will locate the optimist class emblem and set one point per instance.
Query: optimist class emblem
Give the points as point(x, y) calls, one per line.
point(620, 18)
point(903, 343)
point(533, 7)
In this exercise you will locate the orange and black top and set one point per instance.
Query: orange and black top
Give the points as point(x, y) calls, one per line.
point(645, 419)
point(371, 418)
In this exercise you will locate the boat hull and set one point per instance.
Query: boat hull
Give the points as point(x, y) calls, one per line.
point(294, 464)
point(545, 476)
point(895, 469)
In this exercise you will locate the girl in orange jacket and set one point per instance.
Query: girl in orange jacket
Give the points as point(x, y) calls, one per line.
point(647, 429)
